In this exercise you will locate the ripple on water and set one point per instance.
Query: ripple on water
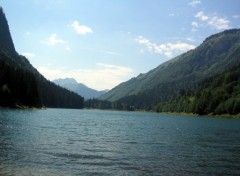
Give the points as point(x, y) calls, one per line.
point(80, 142)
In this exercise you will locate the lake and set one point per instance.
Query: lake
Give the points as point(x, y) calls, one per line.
point(93, 142)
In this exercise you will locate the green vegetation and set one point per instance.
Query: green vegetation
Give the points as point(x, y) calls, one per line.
point(97, 104)
point(218, 95)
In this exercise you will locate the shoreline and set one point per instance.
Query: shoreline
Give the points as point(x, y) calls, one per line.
point(22, 107)
point(227, 116)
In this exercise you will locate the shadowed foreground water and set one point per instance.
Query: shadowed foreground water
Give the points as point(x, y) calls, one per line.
point(92, 142)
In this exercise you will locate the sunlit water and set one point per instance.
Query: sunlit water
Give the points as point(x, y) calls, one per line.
point(92, 142)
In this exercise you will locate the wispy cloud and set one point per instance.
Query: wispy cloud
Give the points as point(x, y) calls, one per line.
point(112, 53)
point(53, 39)
point(168, 49)
point(190, 39)
point(236, 16)
point(194, 3)
point(28, 33)
point(171, 14)
point(213, 20)
point(202, 16)
point(195, 25)
point(219, 23)
point(68, 48)
point(103, 76)
point(81, 29)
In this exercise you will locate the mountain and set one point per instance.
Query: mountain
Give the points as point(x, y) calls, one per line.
point(217, 54)
point(6, 42)
point(22, 85)
point(79, 88)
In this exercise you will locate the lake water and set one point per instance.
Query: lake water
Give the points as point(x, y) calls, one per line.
point(93, 142)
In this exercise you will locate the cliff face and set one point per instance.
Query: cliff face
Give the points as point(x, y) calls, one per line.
point(6, 42)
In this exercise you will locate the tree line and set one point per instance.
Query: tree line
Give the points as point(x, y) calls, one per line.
point(22, 85)
point(217, 95)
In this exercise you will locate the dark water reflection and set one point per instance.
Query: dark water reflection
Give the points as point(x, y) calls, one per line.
point(82, 142)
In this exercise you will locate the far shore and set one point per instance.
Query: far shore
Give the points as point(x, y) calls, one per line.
point(22, 107)
point(237, 116)
point(176, 113)
point(207, 115)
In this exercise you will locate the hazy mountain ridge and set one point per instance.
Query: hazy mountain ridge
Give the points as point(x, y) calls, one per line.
point(22, 85)
point(218, 53)
point(79, 88)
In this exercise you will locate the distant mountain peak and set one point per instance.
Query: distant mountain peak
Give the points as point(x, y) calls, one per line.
point(79, 88)
point(63, 81)
point(6, 42)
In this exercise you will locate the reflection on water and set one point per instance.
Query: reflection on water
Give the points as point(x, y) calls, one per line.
point(91, 142)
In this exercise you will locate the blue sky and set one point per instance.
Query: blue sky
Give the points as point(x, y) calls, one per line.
point(102, 43)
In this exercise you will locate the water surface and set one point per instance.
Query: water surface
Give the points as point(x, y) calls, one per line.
point(93, 142)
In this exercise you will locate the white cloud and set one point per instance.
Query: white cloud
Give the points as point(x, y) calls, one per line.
point(194, 3)
point(28, 55)
point(219, 23)
point(53, 39)
point(103, 76)
point(201, 16)
point(168, 49)
point(213, 21)
point(81, 29)
point(171, 14)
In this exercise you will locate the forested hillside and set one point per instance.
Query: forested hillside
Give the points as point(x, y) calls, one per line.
point(18, 86)
point(217, 54)
point(218, 95)
point(22, 85)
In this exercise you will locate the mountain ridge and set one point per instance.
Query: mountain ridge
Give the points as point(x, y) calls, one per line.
point(79, 88)
point(215, 55)
point(6, 42)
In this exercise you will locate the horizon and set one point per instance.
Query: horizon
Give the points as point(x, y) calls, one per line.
point(102, 44)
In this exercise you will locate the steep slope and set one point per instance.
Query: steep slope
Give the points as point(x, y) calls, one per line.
point(21, 84)
point(6, 43)
point(217, 95)
point(18, 86)
point(79, 88)
point(215, 55)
